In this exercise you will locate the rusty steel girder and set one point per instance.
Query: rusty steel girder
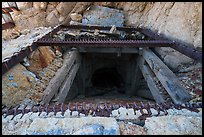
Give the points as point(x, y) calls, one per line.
point(17, 57)
point(7, 16)
point(99, 109)
point(186, 49)
point(47, 40)
point(105, 43)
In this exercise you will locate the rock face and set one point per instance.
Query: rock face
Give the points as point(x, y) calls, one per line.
point(40, 59)
point(24, 5)
point(53, 18)
point(40, 5)
point(75, 126)
point(30, 18)
point(176, 125)
point(166, 18)
point(131, 129)
point(13, 89)
point(98, 15)
point(64, 8)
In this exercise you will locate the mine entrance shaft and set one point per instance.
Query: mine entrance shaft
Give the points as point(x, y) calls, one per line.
point(107, 77)
point(118, 41)
point(91, 53)
point(97, 39)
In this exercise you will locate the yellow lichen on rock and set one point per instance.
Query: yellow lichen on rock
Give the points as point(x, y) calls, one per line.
point(16, 84)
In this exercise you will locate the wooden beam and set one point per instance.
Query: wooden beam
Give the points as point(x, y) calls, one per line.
point(167, 78)
point(108, 50)
point(148, 75)
point(64, 89)
point(135, 78)
point(57, 80)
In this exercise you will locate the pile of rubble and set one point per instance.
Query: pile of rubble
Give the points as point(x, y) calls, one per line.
point(177, 122)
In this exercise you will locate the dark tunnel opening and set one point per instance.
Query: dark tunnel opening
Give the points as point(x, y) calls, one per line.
point(107, 78)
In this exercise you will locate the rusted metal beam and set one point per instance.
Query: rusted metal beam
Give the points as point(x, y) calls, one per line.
point(186, 49)
point(7, 16)
point(9, 9)
point(13, 4)
point(8, 25)
point(108, 50)
point(17, 57)
point(100, 109)
point(105, 43)
point(47, 40)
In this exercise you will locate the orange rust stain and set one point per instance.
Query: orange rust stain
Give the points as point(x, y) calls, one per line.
point(42, 60)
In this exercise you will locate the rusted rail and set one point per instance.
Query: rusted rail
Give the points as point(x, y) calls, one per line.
point(47, 40)
point(100, 109)
point(17, 57)
point(186, 49)
point(9, 23)
point(105, 43)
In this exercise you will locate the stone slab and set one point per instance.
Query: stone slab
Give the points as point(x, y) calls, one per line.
point(103, 16)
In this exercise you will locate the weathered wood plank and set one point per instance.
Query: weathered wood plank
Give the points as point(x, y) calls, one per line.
point(57, 80)
point(135, 78)
point(148, 75)
point(64, 89)
point(167, 78)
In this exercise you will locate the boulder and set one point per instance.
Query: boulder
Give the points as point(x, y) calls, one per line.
point(172, 58)
point(176, 60)
point(74, 23)
point(174, 125)
point(54, 3)
point(53, 18)
point(40, 5)
point(131, 129)
point(104, 16)
point(16, 84)
point(64, 8)
point(61, 19)
point(106, 4)
point(29, 19)
point(80, 7)
point(93, 129)
point(40, 59)
point(24, 5)
point(76, 17)
point(50, 8)
point(68, 126)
